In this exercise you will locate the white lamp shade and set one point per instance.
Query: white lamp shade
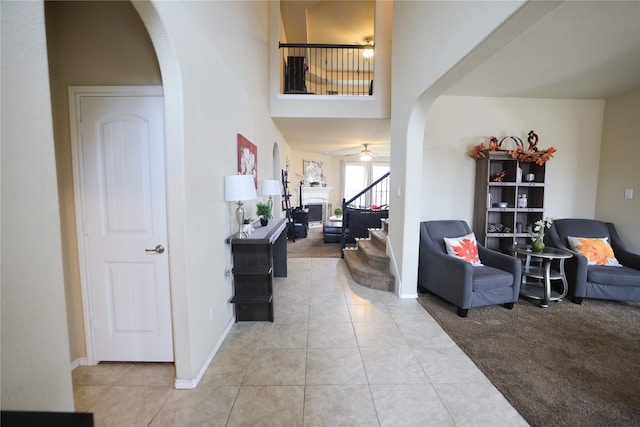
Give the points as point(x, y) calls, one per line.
point(239, 188)
point(270, 187)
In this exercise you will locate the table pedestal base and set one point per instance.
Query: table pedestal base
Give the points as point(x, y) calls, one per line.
point(536, 291)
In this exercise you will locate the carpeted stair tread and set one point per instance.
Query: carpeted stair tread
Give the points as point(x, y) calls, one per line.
point(363, 273)
point(374, 254)
point(379, 236)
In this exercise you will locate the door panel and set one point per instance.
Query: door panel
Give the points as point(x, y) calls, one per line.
point(122, 144)
point(127, 174)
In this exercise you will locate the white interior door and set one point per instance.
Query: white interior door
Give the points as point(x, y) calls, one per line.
point(126, 256)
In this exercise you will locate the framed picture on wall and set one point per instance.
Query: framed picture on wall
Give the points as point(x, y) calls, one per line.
point(313, 174)
point(247, 158)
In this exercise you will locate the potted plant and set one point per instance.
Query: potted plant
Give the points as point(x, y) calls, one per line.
point(264, 213)
point(337, 211)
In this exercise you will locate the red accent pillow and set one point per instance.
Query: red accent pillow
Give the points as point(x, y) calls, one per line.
point(464, 247)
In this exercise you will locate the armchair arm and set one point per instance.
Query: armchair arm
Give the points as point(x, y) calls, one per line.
point(446, 276)
point(624, 255)
point(628, 258)
point(575, 267)
point(499, 260)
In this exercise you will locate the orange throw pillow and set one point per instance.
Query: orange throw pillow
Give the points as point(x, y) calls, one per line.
point(597, 250)
point(464, 247)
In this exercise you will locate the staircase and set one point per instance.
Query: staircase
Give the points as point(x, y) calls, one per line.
point(368, 262)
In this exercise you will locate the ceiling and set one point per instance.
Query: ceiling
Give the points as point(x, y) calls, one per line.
point(336, 136)
point(328, 21)
point(580, 50)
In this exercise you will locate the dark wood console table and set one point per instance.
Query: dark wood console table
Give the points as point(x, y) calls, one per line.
point(256, 260)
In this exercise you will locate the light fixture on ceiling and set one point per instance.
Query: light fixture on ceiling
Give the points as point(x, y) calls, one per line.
point(366, 155)
point(368, 50)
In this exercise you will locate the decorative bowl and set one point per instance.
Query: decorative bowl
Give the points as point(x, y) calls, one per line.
point(502, 204)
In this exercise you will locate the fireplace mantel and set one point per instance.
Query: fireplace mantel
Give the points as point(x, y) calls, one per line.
point(315, 194)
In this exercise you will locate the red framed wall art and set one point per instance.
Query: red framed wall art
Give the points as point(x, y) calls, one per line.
point(247, 158)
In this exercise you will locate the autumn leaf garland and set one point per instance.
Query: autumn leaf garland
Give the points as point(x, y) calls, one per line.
point(532, 154)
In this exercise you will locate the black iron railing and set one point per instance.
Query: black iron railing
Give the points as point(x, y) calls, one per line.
point(327, 69)
point(373, 198)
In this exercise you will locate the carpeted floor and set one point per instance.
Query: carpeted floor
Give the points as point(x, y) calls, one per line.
point(569, 364)
point(312, 246)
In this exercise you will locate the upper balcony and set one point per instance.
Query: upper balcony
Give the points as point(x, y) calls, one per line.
point(310, 80)
point(327, 69)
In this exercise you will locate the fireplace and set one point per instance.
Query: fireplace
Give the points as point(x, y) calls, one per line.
point(317, 200)
point(316, 212)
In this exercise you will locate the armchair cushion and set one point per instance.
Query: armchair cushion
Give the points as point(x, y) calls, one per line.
point(487, 278)
point(597, 250)
point(622, 276)
point(464, 247)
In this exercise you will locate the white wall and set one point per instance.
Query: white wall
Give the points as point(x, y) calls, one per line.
point(422, 71)
point(35, 349)
point(620, 167)
point(456, 124)
point(212, 93)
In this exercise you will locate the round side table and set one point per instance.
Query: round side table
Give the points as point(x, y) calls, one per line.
point(542, 273)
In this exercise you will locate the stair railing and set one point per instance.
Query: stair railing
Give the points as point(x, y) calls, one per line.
point(374, 197)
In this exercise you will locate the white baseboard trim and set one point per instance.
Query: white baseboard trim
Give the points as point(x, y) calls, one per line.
point(394, 271)
point(394, 266)
point(80, 361)
point(181, 384)
point(408, 296)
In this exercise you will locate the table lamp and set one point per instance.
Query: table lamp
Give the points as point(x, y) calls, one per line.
point(270, 187)
point(239, 188)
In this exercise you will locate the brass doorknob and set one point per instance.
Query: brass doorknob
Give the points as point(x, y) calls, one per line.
point(159, 249)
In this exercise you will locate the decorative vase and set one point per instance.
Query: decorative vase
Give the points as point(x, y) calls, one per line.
point(538, 246)
point(247, 228)
point(264, 221)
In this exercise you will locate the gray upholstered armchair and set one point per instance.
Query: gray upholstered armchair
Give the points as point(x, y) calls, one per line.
point(497, 281)
point(596, 281)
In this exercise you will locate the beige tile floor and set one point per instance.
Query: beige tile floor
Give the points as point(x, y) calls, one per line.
point(337, 354)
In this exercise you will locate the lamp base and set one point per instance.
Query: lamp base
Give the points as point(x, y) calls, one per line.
point(240, 218)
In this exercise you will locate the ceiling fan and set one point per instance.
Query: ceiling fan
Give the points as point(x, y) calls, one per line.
point(367, 51)
point(365, 155)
